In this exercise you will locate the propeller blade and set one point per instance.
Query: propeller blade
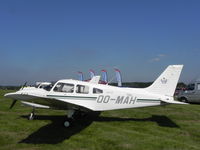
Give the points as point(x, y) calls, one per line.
point(24, 85)
point(13, 103)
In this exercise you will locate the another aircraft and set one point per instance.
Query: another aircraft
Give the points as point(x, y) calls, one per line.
point(80, 97)
point(38, 85)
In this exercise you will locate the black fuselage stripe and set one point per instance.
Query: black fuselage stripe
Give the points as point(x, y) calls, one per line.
point(74, 97)
point(148, 101)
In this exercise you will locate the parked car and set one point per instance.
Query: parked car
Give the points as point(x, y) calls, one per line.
point(191, 94)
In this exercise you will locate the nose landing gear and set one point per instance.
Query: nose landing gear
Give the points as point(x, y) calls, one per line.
point(32, 115)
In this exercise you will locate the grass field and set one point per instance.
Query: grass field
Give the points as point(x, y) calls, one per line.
point(173, 127)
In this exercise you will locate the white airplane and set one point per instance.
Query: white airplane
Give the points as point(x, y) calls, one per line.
point(38, 85)
point(41, 85)
point(80, 96)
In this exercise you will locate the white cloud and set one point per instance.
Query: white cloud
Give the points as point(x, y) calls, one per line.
point(158, 58)
point(161, 55)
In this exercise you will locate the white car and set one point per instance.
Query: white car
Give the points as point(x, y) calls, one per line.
point(191, 94)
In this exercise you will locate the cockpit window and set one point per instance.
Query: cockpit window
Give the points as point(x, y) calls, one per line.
point(64, 87)
point(97, 91)
point(82, 89)
point(49, 87)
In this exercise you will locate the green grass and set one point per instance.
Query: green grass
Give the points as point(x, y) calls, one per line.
point(173, 127)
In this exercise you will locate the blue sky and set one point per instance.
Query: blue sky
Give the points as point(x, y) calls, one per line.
point(44, 40)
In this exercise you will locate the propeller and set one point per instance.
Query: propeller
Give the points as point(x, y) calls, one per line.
point(13, 103)
point(24, 85)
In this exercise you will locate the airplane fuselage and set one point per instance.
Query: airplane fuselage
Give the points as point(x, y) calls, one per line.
point(109, 98)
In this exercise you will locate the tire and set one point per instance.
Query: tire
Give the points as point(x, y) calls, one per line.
point(183, 99)
point(66, 124)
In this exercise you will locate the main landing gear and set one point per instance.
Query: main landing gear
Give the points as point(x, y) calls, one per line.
point(69, 121)
point(72, 115)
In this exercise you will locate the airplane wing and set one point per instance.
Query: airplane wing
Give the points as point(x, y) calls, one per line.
point(52, 101)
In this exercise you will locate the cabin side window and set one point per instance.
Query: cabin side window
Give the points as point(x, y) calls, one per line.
point(83, 89)
point(64, 87)
point(97, 91)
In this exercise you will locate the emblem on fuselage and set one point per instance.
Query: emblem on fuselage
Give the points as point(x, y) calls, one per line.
point(164, 80)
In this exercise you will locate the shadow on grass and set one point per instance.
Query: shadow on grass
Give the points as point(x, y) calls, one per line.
point(162, 121)
point(55, 132)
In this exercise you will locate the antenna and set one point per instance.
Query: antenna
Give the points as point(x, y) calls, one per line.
point(111, 79)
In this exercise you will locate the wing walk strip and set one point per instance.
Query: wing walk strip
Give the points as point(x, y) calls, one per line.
point(73, 97)
point(148, 101)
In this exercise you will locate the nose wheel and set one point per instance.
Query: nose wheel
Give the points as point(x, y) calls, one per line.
point(32, 115)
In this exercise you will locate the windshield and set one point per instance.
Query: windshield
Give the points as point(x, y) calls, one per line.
point(49, 87)
point(37, 85)
point(190, 87)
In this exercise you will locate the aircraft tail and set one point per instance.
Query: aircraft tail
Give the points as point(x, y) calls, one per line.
point(166, 83)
